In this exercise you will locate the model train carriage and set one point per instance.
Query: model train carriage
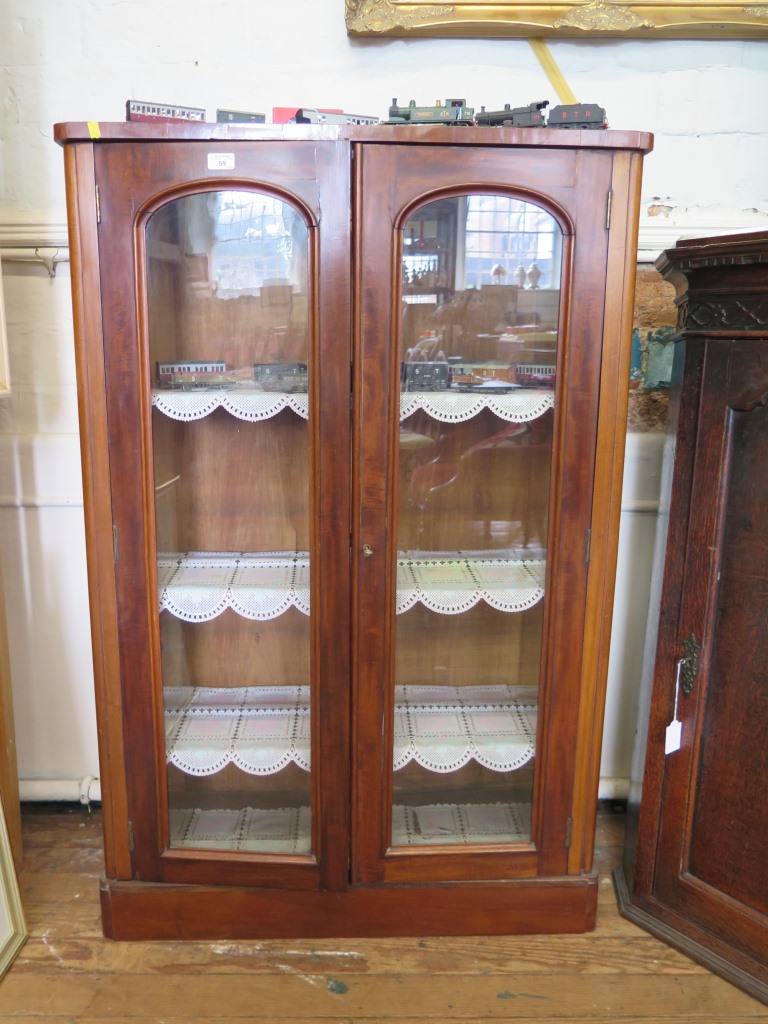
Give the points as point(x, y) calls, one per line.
point(305, 115)
point(190, 374)
point(532, 116)
point(466, 372)
point(532, 375)
point(453, 111)
point(577, 115)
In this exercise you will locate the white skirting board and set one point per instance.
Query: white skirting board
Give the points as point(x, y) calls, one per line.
point(84, 791)
point(88, 790)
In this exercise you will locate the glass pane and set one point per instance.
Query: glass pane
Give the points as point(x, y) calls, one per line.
point(227, 309)
point(478, 346)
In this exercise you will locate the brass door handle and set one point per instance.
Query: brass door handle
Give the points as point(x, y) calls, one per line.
point(367, 550)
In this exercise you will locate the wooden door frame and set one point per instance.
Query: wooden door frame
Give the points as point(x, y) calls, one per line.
point(575, 201)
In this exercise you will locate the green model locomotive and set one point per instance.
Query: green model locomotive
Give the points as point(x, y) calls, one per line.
point(453, 111)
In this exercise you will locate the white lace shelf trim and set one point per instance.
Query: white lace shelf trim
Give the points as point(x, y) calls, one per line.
point(288, 829)
point(197, 587)
point(453, 583)
point(247, 829)
point(445, 406)
point(243, 403)
point(262, 730)
point(259, 730)
point(454, 407)
point(443, 728)
point(436, 824)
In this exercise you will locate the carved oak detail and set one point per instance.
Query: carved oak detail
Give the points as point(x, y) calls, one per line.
point(731, 313)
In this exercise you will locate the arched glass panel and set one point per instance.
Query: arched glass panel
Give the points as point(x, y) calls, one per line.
point(478, 355)
point(227, 307)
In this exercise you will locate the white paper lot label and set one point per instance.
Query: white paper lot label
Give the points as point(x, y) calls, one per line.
point(221, 161)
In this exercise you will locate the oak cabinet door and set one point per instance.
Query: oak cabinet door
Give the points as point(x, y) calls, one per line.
point(227, 382)
point(713, 836)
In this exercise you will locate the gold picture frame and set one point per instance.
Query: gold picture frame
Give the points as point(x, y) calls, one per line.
point(601, 19)
point(5, 373)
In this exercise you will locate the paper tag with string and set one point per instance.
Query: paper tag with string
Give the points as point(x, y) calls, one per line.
point(673, 737)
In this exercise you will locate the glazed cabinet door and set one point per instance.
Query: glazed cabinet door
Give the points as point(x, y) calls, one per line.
point(712, 673)
point(227, 382)
point(479, 336)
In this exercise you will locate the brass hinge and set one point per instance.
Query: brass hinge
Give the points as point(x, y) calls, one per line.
point(131, 843)
point(568, 830)
point(98, 206)
point(588, 546)
point(608, 205)
point(115, 554)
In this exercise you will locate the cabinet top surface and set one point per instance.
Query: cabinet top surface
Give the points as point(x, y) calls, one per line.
point(141, 131)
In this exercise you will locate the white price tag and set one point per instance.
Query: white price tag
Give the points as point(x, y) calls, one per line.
point(674, 734)
point(221, 161)
point(673, 737)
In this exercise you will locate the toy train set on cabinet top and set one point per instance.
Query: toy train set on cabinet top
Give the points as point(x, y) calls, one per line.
point(449, 112)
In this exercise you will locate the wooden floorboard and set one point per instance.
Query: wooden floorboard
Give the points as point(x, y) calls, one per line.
point(67, 972)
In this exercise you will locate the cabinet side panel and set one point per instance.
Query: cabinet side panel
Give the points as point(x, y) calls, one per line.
point(86, 302)
point(670, 532)
point(606, 508)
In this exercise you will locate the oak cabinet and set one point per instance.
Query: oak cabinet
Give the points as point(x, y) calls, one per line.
point(353, 405)
point(694, 868)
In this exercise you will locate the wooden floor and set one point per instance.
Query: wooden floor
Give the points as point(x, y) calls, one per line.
point(67, 972)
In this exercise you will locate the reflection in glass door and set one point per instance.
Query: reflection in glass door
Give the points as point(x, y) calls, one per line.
point(227, 276)
point(478, 354)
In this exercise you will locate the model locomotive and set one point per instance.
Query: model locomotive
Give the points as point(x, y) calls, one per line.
point(564, 115)
point(453, 111)
point(534, 115)
point(425, 375)
point(284, 377)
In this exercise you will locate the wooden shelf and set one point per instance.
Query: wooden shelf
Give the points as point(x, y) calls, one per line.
point(199, 586)
point(265, 830)
point(287, 829)
point(254, 405)
point(519, 406)
point(262, 730)
point(244, 403)
point(438, 824)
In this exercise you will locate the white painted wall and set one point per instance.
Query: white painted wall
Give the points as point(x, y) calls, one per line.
point(81, 59)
